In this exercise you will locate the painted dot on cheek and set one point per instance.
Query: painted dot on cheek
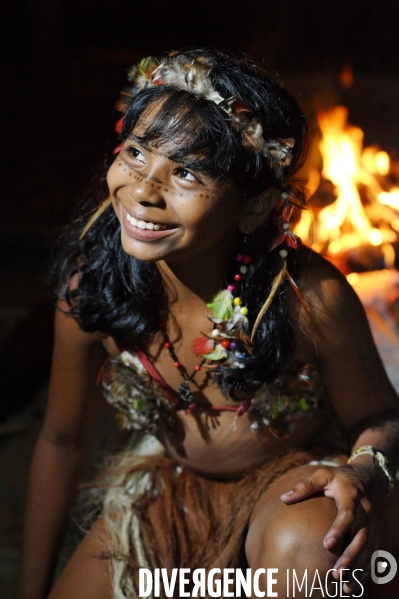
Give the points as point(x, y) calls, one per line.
point(159, 187)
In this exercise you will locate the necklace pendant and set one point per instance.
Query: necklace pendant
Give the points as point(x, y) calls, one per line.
point(185, 394)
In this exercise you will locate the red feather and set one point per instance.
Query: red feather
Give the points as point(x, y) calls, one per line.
point(287, 237)
point(291, 240)
point(277, 241)
point(118, 149)
point(119, 125)
point(202, 346)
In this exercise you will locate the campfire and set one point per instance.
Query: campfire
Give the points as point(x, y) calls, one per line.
point(353, 216)
point(354, 202)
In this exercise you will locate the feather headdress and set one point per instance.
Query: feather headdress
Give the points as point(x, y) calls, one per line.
point(194, 76)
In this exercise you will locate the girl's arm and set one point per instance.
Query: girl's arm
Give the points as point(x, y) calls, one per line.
point(362, 396)
point(57, 459)
point(356, 382)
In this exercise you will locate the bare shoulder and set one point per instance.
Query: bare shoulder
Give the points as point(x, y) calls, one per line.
point(77, 358)
point(328, 297)
point(68, 331)
point(321, 282)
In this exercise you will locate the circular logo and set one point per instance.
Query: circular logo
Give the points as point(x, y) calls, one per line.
point(383, 567)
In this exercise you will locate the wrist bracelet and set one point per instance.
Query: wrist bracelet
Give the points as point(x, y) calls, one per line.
point(379, 458)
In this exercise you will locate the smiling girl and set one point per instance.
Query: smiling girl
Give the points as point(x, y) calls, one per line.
point(242, 360)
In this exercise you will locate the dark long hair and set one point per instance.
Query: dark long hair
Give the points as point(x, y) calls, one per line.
point(121, 296)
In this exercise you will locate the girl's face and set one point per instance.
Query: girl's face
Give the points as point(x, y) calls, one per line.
point(169, 212)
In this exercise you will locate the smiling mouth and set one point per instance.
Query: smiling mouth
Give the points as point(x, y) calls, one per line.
point(143, 224)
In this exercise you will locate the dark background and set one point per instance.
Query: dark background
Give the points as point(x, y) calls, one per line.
point(62, 64)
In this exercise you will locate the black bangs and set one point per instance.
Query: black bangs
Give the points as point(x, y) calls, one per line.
point(198, 134)
point(189, 130)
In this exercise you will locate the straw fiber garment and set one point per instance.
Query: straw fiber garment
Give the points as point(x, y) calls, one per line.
point(160, 515)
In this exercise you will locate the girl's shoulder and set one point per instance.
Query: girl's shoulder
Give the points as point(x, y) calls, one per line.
point(320, 281)
point(329, 304)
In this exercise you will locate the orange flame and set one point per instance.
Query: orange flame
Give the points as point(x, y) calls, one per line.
point(347, 223)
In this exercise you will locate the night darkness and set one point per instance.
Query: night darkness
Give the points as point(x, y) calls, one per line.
point(62, 64)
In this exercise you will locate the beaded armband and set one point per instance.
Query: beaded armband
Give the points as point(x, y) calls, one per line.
point(380, 459)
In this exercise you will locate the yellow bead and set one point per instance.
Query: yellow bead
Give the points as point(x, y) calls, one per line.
point(244, 311)
point(237, 301)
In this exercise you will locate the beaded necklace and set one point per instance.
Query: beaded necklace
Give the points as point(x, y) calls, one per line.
point(183, 391)
point(227, 337)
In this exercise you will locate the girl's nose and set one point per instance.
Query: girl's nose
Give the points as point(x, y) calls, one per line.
point(146, 192)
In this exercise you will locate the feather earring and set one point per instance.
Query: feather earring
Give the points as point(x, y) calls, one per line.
point(95, 216)
point(278, 279)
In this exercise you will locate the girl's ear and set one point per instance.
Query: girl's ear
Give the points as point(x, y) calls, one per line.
point(257, 210)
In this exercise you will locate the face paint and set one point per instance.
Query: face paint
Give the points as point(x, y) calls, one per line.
point(168, 211)
point(160, 185)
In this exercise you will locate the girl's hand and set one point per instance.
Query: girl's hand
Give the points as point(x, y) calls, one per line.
point(358, 491)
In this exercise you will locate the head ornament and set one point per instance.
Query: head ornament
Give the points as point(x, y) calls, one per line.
point(182, 72)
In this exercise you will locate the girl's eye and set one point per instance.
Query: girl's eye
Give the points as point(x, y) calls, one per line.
point(136, 153)
point(184, 174)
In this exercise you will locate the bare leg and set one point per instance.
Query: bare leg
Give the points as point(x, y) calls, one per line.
point(86, 576)
point(291, 537)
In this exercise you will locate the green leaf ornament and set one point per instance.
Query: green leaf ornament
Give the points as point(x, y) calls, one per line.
point(219, 353)
point(303, 404)
point(139, 404)
point(222, 305)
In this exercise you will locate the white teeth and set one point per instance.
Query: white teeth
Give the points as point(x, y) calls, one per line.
point(142, 224)
point(131, 219)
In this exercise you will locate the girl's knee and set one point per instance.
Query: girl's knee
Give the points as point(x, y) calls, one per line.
point(292, 537)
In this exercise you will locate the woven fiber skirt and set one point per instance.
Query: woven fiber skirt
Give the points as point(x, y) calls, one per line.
point(161, 515)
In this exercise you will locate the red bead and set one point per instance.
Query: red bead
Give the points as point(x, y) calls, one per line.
point(225, 344)
point(237, 277)
point(197, 368)
point(247, 259)
point(167, 344)
point(176, 364)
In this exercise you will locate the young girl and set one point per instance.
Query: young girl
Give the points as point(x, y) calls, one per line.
point(243, 357)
